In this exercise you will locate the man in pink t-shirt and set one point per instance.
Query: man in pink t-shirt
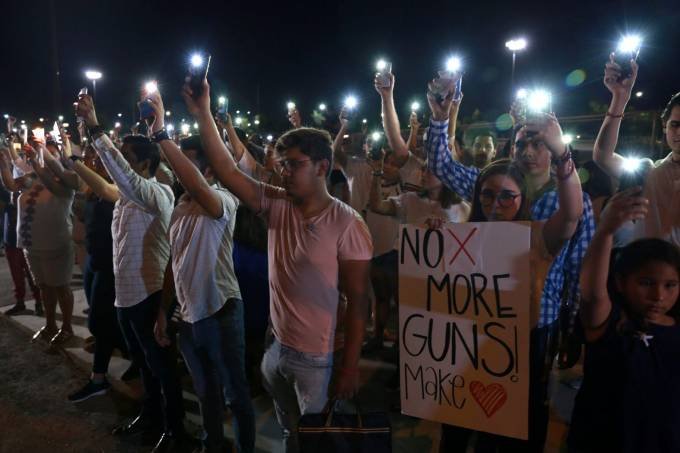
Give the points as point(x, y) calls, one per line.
point(318, 246)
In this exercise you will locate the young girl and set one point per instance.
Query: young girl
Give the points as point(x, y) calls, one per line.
point(630, 397)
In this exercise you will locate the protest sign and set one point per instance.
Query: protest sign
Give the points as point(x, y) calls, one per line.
point(464, 294)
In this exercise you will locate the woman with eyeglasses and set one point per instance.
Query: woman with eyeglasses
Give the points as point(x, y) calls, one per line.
point(500, 195)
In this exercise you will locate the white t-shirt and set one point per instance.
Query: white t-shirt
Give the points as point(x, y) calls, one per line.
point(202, 261)
point(384, 228)
point(413, 209)
point(662, 188)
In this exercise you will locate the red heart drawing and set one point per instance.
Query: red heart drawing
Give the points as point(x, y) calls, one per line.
point(490, 398)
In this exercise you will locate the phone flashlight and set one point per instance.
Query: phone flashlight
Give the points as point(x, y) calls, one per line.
point(6, 116)
point(270, 138)
point(39, 133)
point(169, 128)
point(151, 87)
point(375, 146)
point(634, 171)
point(415, 106)
point(322, 107)
point(198, 71)
point(290, 105)
point(628, 49)
point(351, 102)
point(222, 108)
point(384, 68)
point(185, 129)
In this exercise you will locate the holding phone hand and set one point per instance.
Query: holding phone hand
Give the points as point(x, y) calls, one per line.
point(85, 109)
point(621, 88)
point(199, 104)
point(623, 207)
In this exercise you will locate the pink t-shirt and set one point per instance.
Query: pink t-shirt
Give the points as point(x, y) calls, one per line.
point(304, 255)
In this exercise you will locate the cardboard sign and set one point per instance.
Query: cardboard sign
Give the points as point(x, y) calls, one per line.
point(464, 294)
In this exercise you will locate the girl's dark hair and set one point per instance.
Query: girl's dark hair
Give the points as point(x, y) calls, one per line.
point(636, 255)
point(505, 167)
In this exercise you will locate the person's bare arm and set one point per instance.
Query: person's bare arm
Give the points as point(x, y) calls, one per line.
point(67, 177)
point(6, 177)
point(187, 173)
point(596, 305)
point(237, 145)
point(375, 201)
point(453, 121)
point(413, 133)
point(100, 186)
point(354, 283)
point(46, 177)
point(391, 120)
point(607, 138)
point(245, 188)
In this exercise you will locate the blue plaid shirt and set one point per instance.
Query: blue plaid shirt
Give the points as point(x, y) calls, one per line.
point(567, 264)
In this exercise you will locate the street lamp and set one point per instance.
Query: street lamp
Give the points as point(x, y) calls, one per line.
point(93, 76)
point(514, 46)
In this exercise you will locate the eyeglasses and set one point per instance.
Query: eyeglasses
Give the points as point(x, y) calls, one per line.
point(292, 164)
point(505, 198)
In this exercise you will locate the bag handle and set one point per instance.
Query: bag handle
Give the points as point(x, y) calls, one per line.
point(331, 407)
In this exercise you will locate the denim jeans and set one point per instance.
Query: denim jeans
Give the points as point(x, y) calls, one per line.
point(214, 351)
point(298, 384)
point(157, 365)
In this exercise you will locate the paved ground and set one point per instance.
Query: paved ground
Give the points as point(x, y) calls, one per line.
point(35, 380)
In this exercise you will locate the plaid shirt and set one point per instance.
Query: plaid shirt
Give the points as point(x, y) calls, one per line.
point(567, 265)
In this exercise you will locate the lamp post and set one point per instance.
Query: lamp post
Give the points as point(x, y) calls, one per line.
point(514, 46)
point(93, 76)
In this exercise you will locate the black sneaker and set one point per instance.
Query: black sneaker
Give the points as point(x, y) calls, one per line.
point(39, 309)
point(18, 308)
point(91, 389)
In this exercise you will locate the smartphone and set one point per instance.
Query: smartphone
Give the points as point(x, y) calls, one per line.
point(623, 60)
point(443, 83)
point(383, 76)
point(375, 146)
point(347, 114)
point(223, 109)
point(82, 92)
point(630, 179)
point(197, 74)
point(145, 110)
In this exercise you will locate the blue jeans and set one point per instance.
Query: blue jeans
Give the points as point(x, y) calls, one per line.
point(298, 384)
point(214, 351)
point(158, 366)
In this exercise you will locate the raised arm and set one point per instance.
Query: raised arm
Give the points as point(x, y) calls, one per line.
point(337, 143)
point(376, 203)
point(47, 178)
point(412, 143)
point(595, 302)
point(67, 177)
point(100, 186)
point(146, 194)
point(187, 173)
point(607, 138)
point(391, 120)
point(6, 177)
point(562, 224)
point(453, 121)
point(245, 188)
point(454, 175)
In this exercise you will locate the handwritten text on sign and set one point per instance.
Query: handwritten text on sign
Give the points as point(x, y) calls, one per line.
point(464, 325)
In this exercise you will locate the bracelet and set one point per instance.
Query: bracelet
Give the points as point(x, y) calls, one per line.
point(611, 115)
point(562, 175)
point(159, 136)
point(566, 157)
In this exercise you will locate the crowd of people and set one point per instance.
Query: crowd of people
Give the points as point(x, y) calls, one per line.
point(243, 252)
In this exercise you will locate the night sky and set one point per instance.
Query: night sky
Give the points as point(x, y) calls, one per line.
point(264, 53)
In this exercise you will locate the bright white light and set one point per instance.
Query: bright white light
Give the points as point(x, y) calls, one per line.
point(248, 112)
point(639, 94)
point(168, 113)
point(322, 107)
point(375, 136)
point(65, 125)
point(117, 124)
point(222, 100)
point(345, 136)
point(196, 60)
point(453, 64)
point(351, 102)
point(415, 106)
point(270, 137)
point(23, 121)
point(381, 65)
point(567, 138)
point(539, 100)
point(185, 129)
point(630, 44)
point(169, 127)
point(39, 133)
point(110, 131)
point(290, 105)
point(41, 119)
point(631, 164)
point(238, 111)
point(93, 75)
point(248, 124)
point(195, 125)
point(257, 122)
point(61, 117)
point(14, 129)
point(515, 45)
point(151, 87)
point(120, 115)
point(238, 120)
point(522, 93)
point(364, 121)
point(6, 115)
point(23, 126)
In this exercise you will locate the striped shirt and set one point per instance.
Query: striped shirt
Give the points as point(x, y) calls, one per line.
point(141, 219)
point(563, 276)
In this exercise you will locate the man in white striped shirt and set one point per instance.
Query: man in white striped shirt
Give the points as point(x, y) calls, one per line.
point(141, 252)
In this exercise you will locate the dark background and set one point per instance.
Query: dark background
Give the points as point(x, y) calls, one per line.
point(265, 53)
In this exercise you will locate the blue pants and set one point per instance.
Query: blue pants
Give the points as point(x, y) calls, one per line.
point(214, 351)
point(157, 365)
point(298, 383)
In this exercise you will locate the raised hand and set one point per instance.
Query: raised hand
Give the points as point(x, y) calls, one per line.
point(384, 90)
point(441, 106)
point(547, 129)
point(85, 109)
point(612, 78)
point(197, 105)
point(295, 118)
point(156, 102)
point(621, 208)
